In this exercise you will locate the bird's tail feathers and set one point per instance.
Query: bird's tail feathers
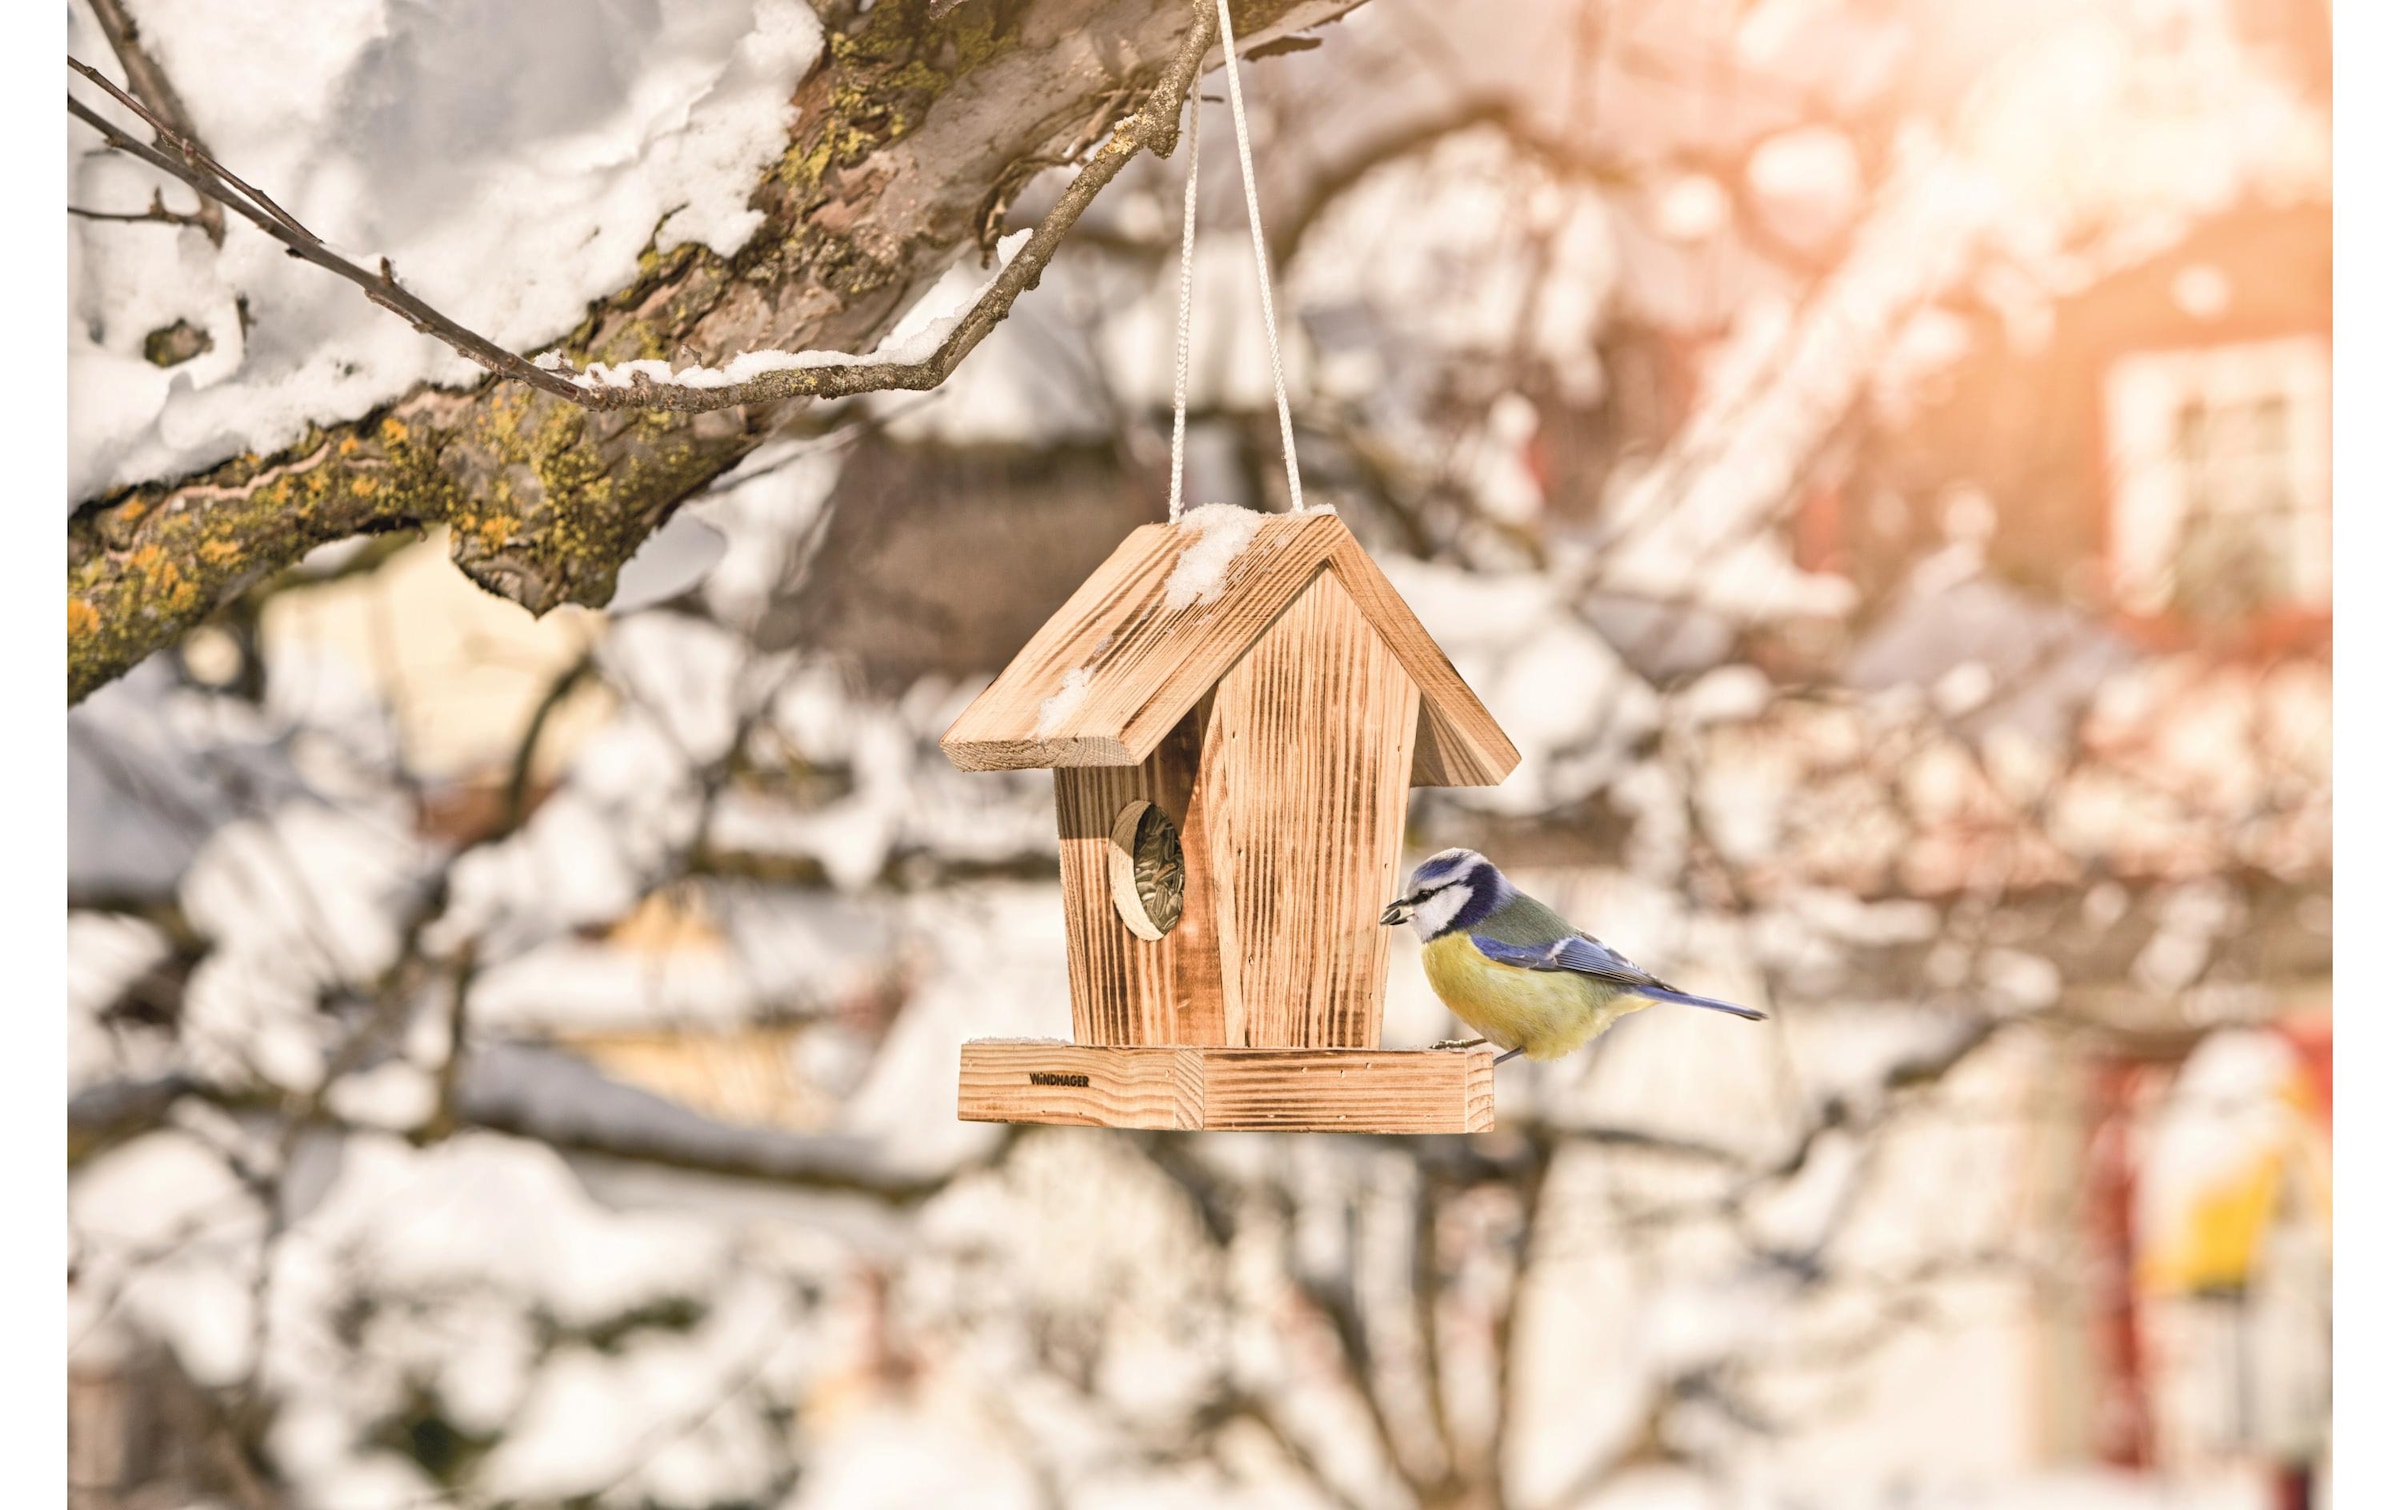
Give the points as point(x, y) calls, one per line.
point(1668, 993)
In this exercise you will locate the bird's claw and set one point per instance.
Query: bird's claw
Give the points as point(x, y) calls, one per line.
point(1462, 1043)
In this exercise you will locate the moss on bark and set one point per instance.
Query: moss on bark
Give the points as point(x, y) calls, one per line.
point(546, 501)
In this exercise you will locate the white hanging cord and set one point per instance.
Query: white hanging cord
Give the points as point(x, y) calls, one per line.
point(1258, 247)
point(1266, 295)
point(1183, 305)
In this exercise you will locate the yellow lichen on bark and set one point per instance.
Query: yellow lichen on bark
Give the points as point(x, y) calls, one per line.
point(547, 501)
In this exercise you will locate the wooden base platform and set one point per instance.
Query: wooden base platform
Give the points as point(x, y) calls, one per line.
point(1193, 1088)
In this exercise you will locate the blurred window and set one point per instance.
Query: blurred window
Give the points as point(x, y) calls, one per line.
point(2220, 481)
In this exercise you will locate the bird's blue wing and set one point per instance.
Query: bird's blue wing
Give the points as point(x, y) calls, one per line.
point(1583, 955)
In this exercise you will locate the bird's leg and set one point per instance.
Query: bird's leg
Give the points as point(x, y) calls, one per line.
point(1505, 1058)
point(1462, 1043)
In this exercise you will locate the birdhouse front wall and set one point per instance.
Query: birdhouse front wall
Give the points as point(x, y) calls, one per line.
point(1288, 785)
point(1126, 989)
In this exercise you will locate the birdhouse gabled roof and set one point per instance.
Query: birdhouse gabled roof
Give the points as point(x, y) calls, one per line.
point(1141, 642)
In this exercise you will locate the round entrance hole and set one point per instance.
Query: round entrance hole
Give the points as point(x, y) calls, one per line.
point(1145, 870)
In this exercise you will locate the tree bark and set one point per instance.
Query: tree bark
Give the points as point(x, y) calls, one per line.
point(910, 139)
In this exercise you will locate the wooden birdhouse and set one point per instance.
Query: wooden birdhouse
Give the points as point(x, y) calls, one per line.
point(1235, 708)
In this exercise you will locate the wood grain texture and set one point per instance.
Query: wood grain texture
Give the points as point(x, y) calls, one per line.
point(1116, 982)
point(1304, 773)
point(1227, 1089)
point(1195, 946)
point(1124, 988)
point(1043, 1080)
point(1147, 666)
point(1460, 743)
point(1347, 1090)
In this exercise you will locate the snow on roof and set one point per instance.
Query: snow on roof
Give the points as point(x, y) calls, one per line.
point(1147, 652)
point(1223, 532)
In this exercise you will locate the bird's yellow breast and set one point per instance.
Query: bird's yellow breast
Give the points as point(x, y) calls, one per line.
point(1547, 1013)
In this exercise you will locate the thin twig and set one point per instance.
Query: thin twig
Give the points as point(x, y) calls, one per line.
point(158, 211)
point(195, 154)
point(156, 90)
point(1155, 127)
point(198, 171)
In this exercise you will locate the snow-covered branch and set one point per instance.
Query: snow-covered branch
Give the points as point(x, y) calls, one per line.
point(908, 141)
point(917, 358)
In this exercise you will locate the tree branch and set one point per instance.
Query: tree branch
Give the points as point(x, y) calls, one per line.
point(1154, 126)
point(905, 137)
point(151, 84)
point(209, 179)
point(552, 1097)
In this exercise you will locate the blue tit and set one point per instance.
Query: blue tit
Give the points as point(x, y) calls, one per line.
point(1515, 971)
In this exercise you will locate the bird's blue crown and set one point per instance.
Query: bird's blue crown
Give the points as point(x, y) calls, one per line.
point(1486, 890)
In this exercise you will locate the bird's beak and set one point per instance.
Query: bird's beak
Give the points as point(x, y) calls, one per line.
point(1396, 913)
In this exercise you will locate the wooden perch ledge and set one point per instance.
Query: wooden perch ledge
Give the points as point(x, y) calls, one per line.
point(1186, 1088)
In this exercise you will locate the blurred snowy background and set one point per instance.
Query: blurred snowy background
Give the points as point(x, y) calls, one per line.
point(1870, 454)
